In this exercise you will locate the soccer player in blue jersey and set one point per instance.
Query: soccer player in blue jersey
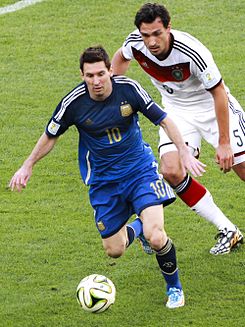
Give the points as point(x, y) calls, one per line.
point(119, 166)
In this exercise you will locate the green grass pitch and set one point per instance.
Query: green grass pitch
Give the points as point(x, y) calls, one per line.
point(48, 241)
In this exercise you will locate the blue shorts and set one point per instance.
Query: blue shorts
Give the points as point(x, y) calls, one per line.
point(115, 202)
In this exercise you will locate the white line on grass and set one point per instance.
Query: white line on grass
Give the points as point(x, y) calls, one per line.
point(17, 6)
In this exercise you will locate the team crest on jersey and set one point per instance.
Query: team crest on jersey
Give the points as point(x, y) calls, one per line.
point(53, 127)
point(177, 74)
point(100, 226)
point(126, 110)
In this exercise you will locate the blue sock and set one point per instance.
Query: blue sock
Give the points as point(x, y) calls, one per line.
point(172, 280)
point(137, 226)
point(134, 229)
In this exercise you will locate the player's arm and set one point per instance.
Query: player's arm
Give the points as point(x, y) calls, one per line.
point(159, 117)
point(212, 81)
point(119, 64)
point(44, 145)
point(190, 163)
point(224, 154)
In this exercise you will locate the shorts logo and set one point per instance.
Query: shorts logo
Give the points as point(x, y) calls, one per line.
point(53, 127)
point(100, 226)
point(126, 110)
point(177, 74)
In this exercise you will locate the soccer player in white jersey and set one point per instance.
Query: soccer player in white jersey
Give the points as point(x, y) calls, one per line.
point(196, 98)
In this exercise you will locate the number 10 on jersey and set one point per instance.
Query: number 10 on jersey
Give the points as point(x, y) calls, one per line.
point(114, 135)
point(158, 188)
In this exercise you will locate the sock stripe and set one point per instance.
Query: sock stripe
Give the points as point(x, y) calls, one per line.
point(167, 247)
point(183, 185)
point(190, 191)
point(169, 274)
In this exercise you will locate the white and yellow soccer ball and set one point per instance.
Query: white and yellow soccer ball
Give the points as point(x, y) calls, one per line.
point(96, 293)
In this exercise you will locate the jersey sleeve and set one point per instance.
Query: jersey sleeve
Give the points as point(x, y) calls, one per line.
point(127, 44)
point(57, 124)
point(146, 105)
point(211, 76)
point(205, 68)
point(154, 112)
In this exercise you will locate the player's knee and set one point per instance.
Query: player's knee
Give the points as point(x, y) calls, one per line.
point(171, 168)
point(173, 174)
point(157, 239)
point(115, 251)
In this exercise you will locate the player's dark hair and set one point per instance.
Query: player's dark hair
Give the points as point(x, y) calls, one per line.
point(94, 54)
point(149, 12)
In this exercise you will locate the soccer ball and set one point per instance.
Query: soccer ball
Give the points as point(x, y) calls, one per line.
point(96, 293)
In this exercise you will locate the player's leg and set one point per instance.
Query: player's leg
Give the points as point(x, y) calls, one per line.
point(148, 194)
point(116, 244)
point(152, 218)
point(145, 190)
point(229, 236)
point(135, 230)
point(191, 192)
point(239, 169)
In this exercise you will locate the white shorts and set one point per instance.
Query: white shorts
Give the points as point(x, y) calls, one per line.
point(195, 125)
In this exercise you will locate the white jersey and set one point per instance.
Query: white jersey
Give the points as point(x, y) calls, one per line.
point(184, 76)
point(184, 79)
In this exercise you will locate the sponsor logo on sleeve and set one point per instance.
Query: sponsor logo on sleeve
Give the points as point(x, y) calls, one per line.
point(209, 77)
point(53, 127)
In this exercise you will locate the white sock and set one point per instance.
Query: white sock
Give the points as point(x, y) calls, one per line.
point(206, 208)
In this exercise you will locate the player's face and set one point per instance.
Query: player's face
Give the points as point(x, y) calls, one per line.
point(98, 80)
point(156, 37)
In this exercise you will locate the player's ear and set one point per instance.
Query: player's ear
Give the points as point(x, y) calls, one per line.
point(81, 73)
point(111, 71)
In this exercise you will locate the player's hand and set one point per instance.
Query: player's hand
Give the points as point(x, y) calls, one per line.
point(224, 157)
point(20, 178)
point(193, 165)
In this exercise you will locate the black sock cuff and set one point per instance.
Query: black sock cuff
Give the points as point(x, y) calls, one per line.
point(166, 258)
point(131, 235)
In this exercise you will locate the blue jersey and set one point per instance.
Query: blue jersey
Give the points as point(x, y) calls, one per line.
point(110, 140)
